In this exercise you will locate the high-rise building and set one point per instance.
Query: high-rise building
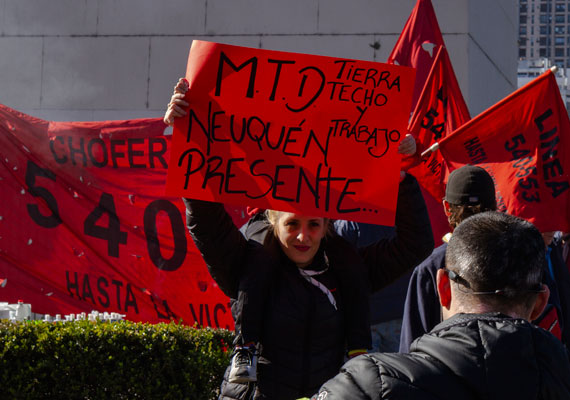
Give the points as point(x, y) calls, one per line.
point(544, 41)
point(544, 31)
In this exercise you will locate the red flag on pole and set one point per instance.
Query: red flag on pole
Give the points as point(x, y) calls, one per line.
point(439, 111)
point(417, 45)
point(523, 142)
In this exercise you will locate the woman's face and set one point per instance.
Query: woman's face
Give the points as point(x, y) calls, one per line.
point(300, 236)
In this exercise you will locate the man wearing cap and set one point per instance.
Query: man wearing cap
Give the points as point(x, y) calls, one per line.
point(485, 348)
point(470, 190)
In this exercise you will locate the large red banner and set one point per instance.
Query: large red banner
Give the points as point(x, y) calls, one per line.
point(524, 143)
point(84, 224)
point(294, 132)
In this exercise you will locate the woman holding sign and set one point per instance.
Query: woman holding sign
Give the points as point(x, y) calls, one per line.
point(303, 324)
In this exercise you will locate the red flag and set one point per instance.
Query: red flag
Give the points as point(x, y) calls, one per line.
point(440, 110)
point(85, 225)
point(523, 142)
point(417, 45)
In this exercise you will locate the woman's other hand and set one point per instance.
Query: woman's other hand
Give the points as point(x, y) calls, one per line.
point(407, 146)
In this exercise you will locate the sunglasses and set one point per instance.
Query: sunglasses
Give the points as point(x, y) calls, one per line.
point(455, 277)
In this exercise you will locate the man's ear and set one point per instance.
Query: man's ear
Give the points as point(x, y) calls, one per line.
point(446, 208)
point(540, 303)
point(443, 288)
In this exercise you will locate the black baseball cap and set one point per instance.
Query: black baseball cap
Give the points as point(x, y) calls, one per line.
point(470, 185)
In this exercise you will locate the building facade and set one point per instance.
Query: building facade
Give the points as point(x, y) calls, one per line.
point(544, 31)
point(119, 59)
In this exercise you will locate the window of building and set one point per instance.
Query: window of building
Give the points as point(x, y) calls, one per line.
point(560, 19)
point(545, 8)
point(531, 52)
point(522, 52)
point(559, 52)
point(560, 7)
point(522, 8)
point(522, 30)
point(522, 19)
point(544, 19)
point(544, 30)
point(558, 40)
point(559, 29)
point(542, 52)
point(544, 41)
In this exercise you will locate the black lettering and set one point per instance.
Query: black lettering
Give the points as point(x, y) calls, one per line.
point(317, 93)
point(344, 193)
point(130, 300)
point(252, 166)
point(551, 152)
point(189, 170)
point(277, 182)
point(103, 291)
point(229, 175)
point(59, 160)
point(552, 168)
point(87, 293)
point(313, 189)
point(80, 150)
point(193, 116)
point(324, 150)
point(114, 153)
point(540, 119)
point(72, 285)
point(211, 173)
point(289, 140)
point(132, 153)
point(152, 153)
point(91, 152)
point(277, 75)
point(219, 308)
point(557, 187)
point(178, 233)
point(118, 286)
point(213, 127)
point(225, 60)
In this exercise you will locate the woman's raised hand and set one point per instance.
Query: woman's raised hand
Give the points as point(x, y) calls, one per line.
point(177, 103)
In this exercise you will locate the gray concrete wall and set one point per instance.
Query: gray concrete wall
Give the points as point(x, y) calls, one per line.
point(118, 59)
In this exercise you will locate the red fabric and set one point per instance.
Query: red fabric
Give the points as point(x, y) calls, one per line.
point(523, 142)
point(85, 225)
point(294, 132)
point(440, 110)
point(418, 43)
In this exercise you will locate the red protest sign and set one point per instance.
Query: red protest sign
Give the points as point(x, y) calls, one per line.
point(84, 225)
point(440, 110)
point(295, 132)
point(523, 142)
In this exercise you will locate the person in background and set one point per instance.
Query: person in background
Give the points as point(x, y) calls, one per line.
point(489, 289)
point(470, 190)
point(386, 305)
point(303, 335)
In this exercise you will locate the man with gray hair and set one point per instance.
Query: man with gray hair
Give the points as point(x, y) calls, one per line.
point(485, 348)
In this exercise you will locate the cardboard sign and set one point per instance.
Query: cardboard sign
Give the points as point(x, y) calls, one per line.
point(523, 142)
point(84, 225)
point(293, 132)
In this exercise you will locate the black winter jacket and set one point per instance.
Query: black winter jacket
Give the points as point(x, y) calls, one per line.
point(303, 337)
point(469, 356)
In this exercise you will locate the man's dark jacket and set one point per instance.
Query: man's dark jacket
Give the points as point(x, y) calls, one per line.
point(469, 356)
